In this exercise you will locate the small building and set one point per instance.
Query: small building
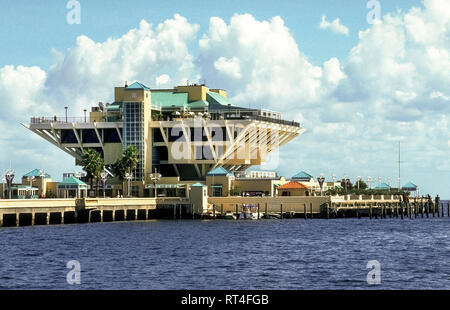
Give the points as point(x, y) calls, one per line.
point(24, 192)
point(257, 185)
point(293, 189)
point(72, 188)
point(219, 182)
point(411, 187)
point(383, 186)
point(37, 178)
point(307, 180)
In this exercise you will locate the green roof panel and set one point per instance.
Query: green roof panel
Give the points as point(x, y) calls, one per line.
point(216, 100)
point(137, 85)
point(169, 99)
point(72, 181)
point(36, 173)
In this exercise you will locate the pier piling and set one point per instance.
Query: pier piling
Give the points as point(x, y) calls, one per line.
point(304, 211)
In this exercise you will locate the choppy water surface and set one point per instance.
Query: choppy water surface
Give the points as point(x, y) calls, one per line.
point(266, 254)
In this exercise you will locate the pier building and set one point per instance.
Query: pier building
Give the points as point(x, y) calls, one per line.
point(184, 133)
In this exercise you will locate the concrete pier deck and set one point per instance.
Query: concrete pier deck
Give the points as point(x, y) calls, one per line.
point(23, 212)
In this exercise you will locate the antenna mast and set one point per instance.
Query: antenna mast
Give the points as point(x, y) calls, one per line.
point(399, 165)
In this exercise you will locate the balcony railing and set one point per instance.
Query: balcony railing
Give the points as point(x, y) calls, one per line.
point(48, 120)
point(270, 120)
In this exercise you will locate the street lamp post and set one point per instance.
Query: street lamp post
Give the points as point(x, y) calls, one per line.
point(345, 183)
point(155, 177)
point(65, 108)
point(321, 179)
point(358, 178)
point(369, 180)
point(85, 115)
point(103, 176)
point(31, 178)
point(9, 176)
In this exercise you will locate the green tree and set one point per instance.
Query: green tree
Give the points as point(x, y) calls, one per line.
point(131, 158)
point(93, 164)
point(120, 169)
point(362, 185)
point(126, 163)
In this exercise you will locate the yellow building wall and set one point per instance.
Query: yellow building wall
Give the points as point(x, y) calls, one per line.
point(51, 189)
point(97, 117)
point(253, 185)
point(118, 94)
point(225, 181)
point(221, 92)
point(195, 92)
point(137, 95)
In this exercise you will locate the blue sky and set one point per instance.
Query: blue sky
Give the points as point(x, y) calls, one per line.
point(357, 95)
point(30, 29)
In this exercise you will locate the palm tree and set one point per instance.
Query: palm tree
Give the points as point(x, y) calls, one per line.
point(131, 158)
point(93, 163)
point(120, 169)
point(126, 163)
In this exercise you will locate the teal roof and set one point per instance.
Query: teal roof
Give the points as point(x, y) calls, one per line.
point(219, 171)
point(216, 100)
point(410, 186)
point(302, 176)
point(198, 104)
point(137, 85)
point(36, 173)
point(169, 99)
point(197, 184)
point(383, 186)
point(72, 181)
point(24, 187)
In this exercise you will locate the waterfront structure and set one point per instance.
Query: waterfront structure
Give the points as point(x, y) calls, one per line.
point(293, 189)
point(183, 133)
point(411, 187)
point(37, 178)
point(223, 183)
point(72, 187)
point(307, 180)
point(383, 186)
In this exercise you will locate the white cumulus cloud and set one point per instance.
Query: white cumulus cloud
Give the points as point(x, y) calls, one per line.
point(335, 26)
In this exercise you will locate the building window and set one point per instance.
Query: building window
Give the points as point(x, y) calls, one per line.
point(133, 132)
point(135, 191)
point(217, 190)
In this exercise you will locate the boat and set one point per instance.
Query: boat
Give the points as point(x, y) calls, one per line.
point(249, 212)
point(229, 216)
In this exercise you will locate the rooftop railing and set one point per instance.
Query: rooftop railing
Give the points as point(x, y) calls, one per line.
point(48, 120)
